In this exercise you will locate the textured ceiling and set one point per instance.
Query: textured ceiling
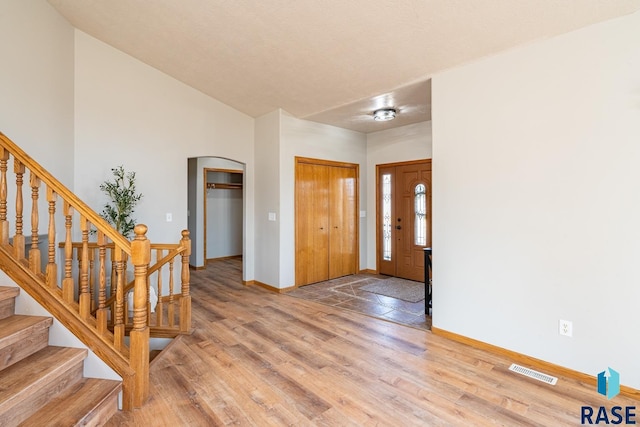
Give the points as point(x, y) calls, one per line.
point(332, 61)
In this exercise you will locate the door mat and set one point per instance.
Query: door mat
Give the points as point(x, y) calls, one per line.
point(394, 287)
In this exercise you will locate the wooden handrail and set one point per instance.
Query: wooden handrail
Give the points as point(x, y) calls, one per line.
point(57, 187)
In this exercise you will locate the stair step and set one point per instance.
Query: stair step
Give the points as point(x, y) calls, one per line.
point(91, 402)
point(9, 292)
point(7, 300)
point(31, 383)
point(21, 336)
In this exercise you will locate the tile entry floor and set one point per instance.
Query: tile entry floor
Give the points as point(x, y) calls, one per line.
point(345, 292)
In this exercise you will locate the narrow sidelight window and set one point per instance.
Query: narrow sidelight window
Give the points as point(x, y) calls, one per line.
point(420, 206)
point(386, 217)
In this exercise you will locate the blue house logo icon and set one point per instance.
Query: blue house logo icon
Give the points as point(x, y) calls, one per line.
point(609, 383)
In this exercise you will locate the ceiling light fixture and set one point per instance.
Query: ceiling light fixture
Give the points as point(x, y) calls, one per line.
point(384, 114)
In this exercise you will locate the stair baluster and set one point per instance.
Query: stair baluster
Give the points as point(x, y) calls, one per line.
point(52, 267)
point(18, 239)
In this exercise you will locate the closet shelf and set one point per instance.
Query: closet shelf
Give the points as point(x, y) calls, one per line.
point(223, 185)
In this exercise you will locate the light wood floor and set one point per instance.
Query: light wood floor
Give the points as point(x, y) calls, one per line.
point(257, 358)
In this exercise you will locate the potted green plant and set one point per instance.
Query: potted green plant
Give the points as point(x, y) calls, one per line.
point(122, 201)
point(119, 213)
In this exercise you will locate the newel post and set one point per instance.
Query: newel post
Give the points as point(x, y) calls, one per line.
point(185, 299)
point(139, 350)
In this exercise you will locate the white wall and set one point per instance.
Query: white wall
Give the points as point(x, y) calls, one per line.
point(536, 199)
point(267, 173)
point(224, 223)
point(130, 114)
point(36, 112)
point(36, 84)
point(309, 139)
point(405, 143)
point(192, 212)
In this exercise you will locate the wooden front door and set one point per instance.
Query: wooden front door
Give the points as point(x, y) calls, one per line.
point(326, 220)
point(404, 218)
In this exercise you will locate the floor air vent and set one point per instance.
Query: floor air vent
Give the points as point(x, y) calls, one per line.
point(533, 374)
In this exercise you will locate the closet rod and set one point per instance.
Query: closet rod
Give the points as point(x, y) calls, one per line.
point(223, 186)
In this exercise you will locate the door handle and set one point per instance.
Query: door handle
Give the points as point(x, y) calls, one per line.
point(398, 227)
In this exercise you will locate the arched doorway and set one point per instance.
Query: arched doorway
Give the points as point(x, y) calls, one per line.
point(216, 213)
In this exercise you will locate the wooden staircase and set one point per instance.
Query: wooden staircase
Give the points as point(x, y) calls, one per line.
point(84, 285)
point(44, 385)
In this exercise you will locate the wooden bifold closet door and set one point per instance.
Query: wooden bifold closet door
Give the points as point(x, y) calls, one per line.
point(326, 220)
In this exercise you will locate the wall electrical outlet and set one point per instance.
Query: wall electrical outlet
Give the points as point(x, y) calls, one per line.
point(565, 327)
point(169, 217)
